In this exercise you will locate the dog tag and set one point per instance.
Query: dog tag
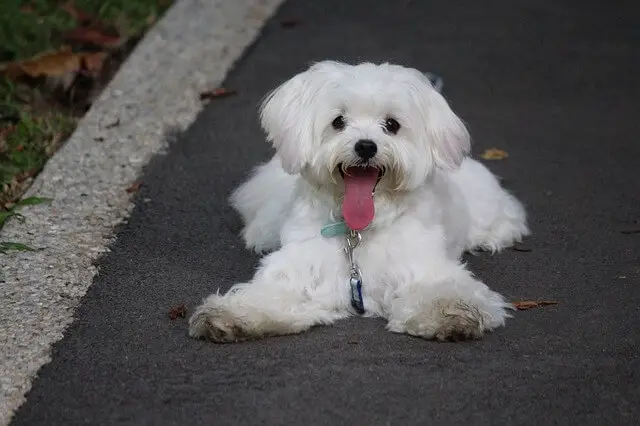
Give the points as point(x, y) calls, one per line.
point(356, 292)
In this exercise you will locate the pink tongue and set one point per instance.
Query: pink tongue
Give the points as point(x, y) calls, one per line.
point(357, 208)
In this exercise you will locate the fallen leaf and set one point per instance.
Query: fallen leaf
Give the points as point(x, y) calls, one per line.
point(494, 154)
point(60, 65)
point(290, 23)
point(76, 13)
point(217, 93)
point(179, 311)
point(48, 64)
point(95, 36)
point(5, 246)
point(631, 230)
point(34, 201)
point(27, 8)
point(135, 187)
point(529, 304)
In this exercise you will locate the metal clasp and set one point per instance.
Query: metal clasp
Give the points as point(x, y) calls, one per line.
point(352, 240)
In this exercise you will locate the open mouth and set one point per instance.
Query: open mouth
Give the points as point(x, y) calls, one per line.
point(360, 183)
point(356, 169)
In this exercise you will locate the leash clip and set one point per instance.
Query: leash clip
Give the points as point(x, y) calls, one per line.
point(352, 240)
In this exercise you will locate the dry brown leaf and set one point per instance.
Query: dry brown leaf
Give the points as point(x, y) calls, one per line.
point(631, 230)
point(48, 64)
point(217, 93)
point(95, 36)
point(529, 304)
point(76, 13)
point(179, 311)
point(27, 8)
point(135, 187)
point(61, 65)
point(494, 154)
point(290, 23)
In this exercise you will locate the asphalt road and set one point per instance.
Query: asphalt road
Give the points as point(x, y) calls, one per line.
point(555, 84)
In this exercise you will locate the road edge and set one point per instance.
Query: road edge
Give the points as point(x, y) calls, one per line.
point(157, 89)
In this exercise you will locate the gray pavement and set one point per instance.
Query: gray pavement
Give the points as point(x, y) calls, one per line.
point(553, 84)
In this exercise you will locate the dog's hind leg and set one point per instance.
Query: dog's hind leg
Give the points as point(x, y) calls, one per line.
point(264, 201)
point(496, 218)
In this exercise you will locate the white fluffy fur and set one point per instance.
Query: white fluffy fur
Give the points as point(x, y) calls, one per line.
point(432, 204)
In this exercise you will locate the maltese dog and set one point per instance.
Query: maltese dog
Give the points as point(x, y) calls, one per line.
point(366, 208)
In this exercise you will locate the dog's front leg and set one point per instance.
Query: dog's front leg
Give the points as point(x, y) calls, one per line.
point(446, 303)
point(294, 289)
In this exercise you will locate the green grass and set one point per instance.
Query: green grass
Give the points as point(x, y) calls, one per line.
point(30, 27)
point(32, 133)
point(33, 121)
point(31, 142)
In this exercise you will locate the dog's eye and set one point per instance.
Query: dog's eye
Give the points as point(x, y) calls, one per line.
point(338, 123)
point(391, 125)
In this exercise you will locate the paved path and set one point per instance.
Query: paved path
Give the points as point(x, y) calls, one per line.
point(554, 85)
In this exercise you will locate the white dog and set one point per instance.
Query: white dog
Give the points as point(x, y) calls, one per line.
point(368, 206)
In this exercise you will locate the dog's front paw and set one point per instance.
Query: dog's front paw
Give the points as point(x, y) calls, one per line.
point(216, 324)
point(446, 320)
point(458, 321)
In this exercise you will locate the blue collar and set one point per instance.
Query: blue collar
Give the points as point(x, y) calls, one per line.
point(334, 229)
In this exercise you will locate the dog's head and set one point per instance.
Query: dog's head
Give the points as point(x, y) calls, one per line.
point(383, 119)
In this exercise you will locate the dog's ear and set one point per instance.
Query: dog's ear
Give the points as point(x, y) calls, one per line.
point(446, 134)
point(288, 114)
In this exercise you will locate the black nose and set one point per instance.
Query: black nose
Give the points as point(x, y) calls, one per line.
point(366, 148)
